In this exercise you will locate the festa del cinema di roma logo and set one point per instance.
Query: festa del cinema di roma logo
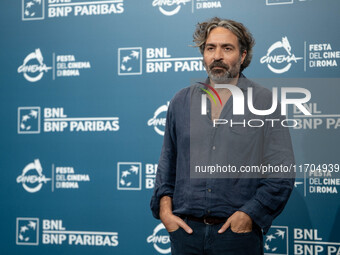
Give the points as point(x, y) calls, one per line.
point(32, 177)
point(160, 239)
point(159, 118)
point(279, 63)
point(172, 7)
point(169, 7)
point(33, 67)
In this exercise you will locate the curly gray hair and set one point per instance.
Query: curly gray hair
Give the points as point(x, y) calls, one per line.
point(245, 38)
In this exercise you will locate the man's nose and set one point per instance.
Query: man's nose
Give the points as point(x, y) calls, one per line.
point(218, 54)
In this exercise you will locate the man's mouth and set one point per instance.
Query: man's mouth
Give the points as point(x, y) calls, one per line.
point(219, 67)
point(219, 70)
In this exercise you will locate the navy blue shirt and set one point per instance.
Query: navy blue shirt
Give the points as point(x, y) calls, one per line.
point(238, 145)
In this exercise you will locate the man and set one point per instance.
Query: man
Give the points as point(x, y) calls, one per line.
point(213, 214)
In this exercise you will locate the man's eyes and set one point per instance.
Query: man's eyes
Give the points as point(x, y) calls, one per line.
point(225, 49)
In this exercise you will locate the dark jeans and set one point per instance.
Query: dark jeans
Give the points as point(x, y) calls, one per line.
point(206, 241)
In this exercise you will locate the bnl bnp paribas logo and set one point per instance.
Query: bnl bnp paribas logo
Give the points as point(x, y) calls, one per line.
point(54, 120)
point(53, 232)
point(129, 176)
point(130, 61)
point(27, 232)
point(157, 60)
point(29, 120)
point(276, 241)
point(35, 9)
point(279, 57)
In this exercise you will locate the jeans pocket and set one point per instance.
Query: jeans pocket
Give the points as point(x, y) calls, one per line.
point(174, 232)
point(240, 234)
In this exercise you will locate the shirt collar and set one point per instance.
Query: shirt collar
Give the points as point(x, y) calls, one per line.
point(242, 82)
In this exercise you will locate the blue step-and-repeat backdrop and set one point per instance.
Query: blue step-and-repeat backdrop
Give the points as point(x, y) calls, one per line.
point(85, 87)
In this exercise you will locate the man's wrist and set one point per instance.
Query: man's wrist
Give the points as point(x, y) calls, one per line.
point(164, 214)
point(165, 206)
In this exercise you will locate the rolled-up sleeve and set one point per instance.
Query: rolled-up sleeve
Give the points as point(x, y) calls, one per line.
point(166, 171)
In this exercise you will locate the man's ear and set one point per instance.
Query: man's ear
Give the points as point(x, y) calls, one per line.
point(244, 54)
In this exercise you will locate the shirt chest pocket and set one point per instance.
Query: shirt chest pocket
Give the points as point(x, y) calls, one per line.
point(245, 142)
point(240, 130)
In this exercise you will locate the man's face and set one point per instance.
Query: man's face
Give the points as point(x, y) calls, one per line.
point(222, 58)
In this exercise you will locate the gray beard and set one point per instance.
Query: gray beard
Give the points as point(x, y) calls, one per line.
point(220, 79)
point(225, 78)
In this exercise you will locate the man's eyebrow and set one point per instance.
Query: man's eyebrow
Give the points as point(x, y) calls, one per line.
point(228, 45)
point(222, 45)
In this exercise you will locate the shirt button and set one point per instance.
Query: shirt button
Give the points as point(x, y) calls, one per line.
point(213, 147)
point(209, 190)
